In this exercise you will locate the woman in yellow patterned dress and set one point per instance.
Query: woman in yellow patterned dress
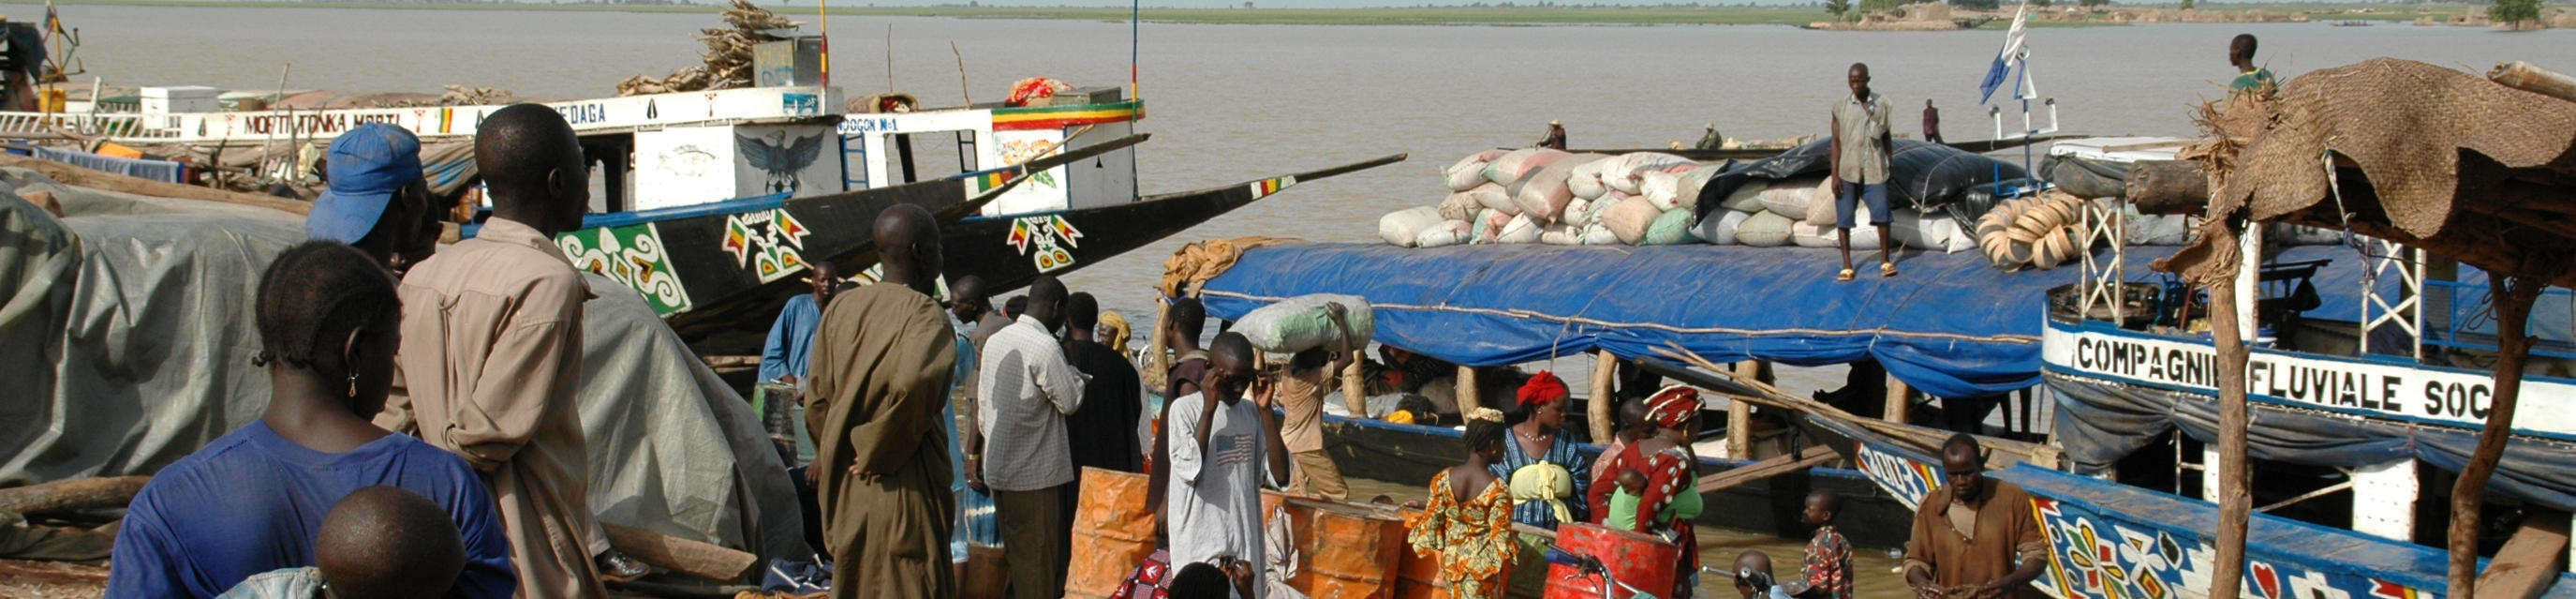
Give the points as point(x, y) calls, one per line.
point(1468, 521)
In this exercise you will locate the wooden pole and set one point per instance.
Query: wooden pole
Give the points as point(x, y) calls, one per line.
point(2513, 313)
point(1604, 368)
point(1468, 399)
point(1355, 388)
point(2522, 76)
point(2235, 504)
point(71, 495)
point(1739, 415)
point(1900, 400)
point(1158, 361)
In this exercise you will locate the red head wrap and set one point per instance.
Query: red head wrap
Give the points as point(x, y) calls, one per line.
point(1673, 406)
point(1542, 389)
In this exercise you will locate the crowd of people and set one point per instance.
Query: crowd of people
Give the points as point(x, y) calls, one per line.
point(420, 437)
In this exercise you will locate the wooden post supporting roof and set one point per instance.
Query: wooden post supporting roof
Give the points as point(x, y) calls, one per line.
point(1355, 389)
point(2235, 503)
point(1468, 399)
point(1739, 415)
point(2513, 298)
point(1604, 368)
point(1899, 400)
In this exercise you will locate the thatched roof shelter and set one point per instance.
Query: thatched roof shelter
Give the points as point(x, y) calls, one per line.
point(2428, 156)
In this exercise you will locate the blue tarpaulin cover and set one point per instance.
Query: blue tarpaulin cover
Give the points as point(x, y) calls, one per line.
point(1951, 324)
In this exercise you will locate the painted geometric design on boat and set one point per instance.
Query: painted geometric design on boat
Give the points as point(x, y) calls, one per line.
point(1263, 188)
point(1044, 239)
point(769, 242)
point(632, 255)
point(1910, 480)
point(2092, 556)
point(987, 181)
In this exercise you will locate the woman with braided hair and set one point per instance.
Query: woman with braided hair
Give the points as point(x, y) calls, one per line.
point(1469, 519)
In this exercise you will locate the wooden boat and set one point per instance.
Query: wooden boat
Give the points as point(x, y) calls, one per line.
point(710, 203)
point(2110, 540)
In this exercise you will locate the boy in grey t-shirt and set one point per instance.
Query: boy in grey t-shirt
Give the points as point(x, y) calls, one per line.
point(1224, 450)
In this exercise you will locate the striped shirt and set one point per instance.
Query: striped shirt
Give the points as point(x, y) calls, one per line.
point(1561, 453)
point(1026, 389)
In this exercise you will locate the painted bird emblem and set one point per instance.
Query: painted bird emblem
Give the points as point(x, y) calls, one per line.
point(781, 160)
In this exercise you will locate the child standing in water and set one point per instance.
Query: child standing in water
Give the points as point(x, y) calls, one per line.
point(1468, 521)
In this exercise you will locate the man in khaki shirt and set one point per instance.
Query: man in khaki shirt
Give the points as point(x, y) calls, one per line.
point(1300, 391)
point(1974, 536)
point(491, 350)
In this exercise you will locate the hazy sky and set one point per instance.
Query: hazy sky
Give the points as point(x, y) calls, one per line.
point(1290, 3)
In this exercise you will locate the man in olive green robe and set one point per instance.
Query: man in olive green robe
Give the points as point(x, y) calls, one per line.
point(879, 378)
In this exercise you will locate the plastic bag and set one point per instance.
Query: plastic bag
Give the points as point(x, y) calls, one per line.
point(1720, 229)
point(1671, 227)
point(1763, 229)
point(1521, 229)
point(1470, 171)
point(1447, 233)
point(1629, 219)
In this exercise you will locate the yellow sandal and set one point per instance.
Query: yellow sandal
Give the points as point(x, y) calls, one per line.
point(1887, 269)
point(1846, 277)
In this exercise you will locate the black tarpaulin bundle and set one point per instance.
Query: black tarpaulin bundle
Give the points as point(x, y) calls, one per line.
point(1922, 175)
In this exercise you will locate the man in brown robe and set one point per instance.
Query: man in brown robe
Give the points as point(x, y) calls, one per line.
point(880, 376)
point(491, 351)
point(1974, 536)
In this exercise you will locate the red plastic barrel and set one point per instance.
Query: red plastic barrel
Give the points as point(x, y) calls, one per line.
point(1638, 560)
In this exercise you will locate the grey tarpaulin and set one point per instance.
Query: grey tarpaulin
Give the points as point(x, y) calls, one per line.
point(130, 347)
point(2100, 422)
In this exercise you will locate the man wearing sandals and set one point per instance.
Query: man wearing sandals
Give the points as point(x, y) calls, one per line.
point(1860, 162)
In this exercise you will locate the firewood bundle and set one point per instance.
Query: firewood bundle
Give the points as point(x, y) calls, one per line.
point(728, 54)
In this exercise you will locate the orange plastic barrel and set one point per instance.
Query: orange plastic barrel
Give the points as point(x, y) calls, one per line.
point(1112, 532)
point(1637, 560)
point(1355, 553)
point(1418, 576)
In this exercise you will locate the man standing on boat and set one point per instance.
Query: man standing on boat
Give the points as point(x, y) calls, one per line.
point(2249, 78)
point(1974, 535)
point(491, 350)
point(1300, 391)
point(883, 375)
point(1931, 122)
point(1027, 389)
point(1859, 155)
point(1103, 433)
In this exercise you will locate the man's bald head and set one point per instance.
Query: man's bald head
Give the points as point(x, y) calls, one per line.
point(1858, 79)
point(1753, 560)
point(533, 164)
point(907, 239)
point(1632, 417)
point(387, 542)
point(1046, 301)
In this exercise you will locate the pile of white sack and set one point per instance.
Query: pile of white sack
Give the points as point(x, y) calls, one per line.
point(1645, 198)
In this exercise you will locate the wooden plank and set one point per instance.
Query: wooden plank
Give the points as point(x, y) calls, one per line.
point(2529, 562)
point(681, 555)
point(1598, 408)
point(1811, 457)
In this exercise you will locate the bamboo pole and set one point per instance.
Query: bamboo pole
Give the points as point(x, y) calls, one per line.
point(2513, 315)
point(1468, 399)
point(1604, 368)
point(1158, 361)
point(1739, 415)
point(2235, 504)
point(71, 495)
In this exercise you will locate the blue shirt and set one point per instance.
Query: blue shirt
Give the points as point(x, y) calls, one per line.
point(1562, 453)
point(791, 339)
point(252, 502)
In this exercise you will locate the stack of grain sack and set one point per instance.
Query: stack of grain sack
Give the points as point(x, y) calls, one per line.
point(1645, 198)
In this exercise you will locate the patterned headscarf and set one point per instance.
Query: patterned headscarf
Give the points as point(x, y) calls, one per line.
point(1114, 330)
point(1544, 482)
point(1542, 389)
point(1673, 406)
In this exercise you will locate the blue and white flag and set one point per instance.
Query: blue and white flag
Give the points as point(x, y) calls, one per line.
point(2005, 61)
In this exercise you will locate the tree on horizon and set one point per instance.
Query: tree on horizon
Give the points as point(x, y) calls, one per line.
point(2514, 12)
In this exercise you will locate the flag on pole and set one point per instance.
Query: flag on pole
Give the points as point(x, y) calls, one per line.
point(2005, 61)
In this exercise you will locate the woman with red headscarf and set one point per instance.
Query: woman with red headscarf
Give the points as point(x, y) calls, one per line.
point(1537, 440)
point(1671, 482)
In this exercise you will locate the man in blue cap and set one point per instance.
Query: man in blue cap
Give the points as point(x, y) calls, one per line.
point(378, 201)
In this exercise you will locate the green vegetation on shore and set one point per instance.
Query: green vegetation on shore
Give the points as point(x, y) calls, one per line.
point(1444, 15)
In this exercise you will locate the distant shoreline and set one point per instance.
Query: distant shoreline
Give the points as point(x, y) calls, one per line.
point(1797, 16)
